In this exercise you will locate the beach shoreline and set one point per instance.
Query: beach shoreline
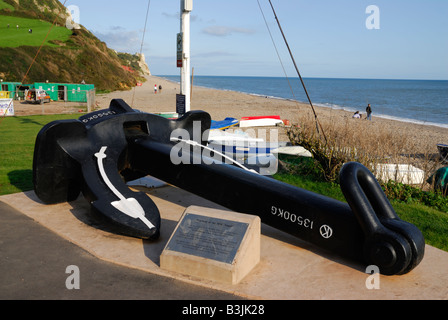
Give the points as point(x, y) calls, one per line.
point(280, 96)
point(225, 103)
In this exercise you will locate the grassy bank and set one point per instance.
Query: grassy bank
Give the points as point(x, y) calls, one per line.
point(18, 135)
point(67, 56)
point(13, 36)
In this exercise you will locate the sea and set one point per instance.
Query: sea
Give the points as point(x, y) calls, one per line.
point(415, 101)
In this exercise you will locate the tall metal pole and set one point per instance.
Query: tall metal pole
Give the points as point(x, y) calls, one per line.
point(186, 6)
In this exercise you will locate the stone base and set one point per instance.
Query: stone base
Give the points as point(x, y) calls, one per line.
point(213, 244)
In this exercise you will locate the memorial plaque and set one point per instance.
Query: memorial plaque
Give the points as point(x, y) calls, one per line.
point(213, 244)
point(208, 237)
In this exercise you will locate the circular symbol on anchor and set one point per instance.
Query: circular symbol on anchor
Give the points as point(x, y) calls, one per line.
point(326, 232)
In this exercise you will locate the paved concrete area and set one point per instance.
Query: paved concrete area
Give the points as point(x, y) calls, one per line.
point(34, 261)
point(289, 268)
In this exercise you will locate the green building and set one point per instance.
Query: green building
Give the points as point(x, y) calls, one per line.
point(70, 92)
point(8, 90)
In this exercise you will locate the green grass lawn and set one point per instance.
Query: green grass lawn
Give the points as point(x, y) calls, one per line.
point(15, 37)
point(17, 139)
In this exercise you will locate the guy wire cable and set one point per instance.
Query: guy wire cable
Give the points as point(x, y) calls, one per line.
point(298, 72)
point(34, 60)
point(141, 46)
point(276, 50)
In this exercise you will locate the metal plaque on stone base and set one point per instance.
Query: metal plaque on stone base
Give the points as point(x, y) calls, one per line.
point(213, 244)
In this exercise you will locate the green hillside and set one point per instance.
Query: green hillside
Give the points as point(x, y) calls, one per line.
point(67, 55)
point(48, 10)
point(13, 36)
point(4, 5)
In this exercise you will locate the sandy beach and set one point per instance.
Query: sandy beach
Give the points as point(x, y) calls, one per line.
point(221, 104)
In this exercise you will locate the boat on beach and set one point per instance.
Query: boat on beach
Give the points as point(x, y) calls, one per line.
point(261, 117)
point(224, 124)
point(220, 136)
point(240, 144)
point(245, 148)
point(297, 151)
point(260, 121)
point(403, 173)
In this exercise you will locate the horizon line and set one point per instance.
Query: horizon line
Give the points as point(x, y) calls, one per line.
point(334, 78)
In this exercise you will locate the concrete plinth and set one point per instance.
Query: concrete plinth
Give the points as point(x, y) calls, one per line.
point(213, 244)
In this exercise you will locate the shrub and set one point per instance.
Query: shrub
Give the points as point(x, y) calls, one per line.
point(369, 144)
point(331, 146)
point(408, 194)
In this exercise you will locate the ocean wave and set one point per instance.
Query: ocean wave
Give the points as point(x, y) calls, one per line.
point(426, 123)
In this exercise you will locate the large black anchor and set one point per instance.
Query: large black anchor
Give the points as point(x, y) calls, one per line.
point(91, 155)
point(99, 152)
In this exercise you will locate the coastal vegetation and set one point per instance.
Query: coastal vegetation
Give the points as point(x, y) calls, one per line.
point(332, 144)
point(66, 56)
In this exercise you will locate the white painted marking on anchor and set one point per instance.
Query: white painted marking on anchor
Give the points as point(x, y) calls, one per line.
point(130, 207)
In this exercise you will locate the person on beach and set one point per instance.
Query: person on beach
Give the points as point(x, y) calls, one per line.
point(160, 88)
point(369, 112)
point(155, 89)
point(357, 115)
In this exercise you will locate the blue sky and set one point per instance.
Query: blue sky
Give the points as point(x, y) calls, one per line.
point(328, 38)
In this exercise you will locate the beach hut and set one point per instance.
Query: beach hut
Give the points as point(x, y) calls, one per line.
point(69, 92)
point(8, 90)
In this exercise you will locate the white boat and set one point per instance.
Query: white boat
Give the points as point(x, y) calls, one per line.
point(245, 147)
point(218, 136)
point(252, 153)
point(260, 121)
point(403, 173)
point(293, 151)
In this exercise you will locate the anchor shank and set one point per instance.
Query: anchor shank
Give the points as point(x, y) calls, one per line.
point(317, 219)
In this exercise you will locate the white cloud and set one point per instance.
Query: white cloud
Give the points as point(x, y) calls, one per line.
point(121, 40)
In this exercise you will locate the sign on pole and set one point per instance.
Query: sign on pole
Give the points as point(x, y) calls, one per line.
point(180, 104)
point(183, 51)
point(179, 50)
